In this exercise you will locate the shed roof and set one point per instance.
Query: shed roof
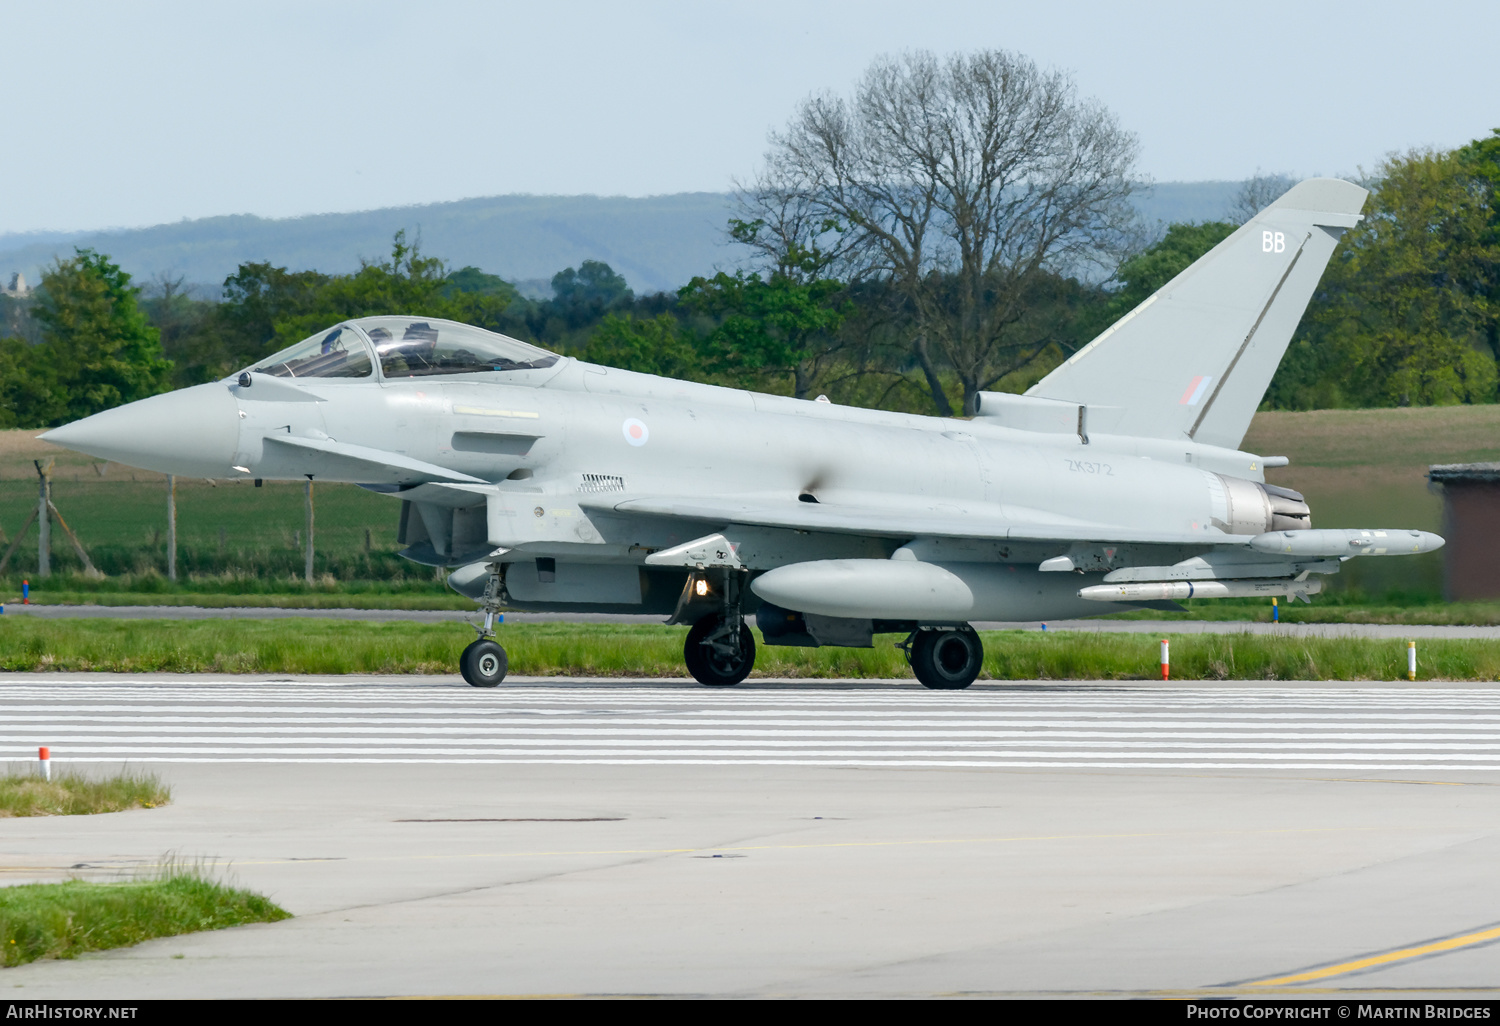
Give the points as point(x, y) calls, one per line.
point(1464, 472)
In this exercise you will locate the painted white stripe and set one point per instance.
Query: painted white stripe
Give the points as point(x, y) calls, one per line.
point(1095, 728)
point(440, 737)
point(896, 764)
point(1140, 718)
point(1393, 759)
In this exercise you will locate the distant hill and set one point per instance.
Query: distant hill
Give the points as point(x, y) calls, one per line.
point(657, 242)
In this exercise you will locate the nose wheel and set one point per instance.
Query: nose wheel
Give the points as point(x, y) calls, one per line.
point(946, 660)
point(716, 654)
point(484, 663)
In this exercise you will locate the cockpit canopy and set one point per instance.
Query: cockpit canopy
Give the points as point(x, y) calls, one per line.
point(405, 347)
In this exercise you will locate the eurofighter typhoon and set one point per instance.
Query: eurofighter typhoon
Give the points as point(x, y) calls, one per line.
point(546, 483)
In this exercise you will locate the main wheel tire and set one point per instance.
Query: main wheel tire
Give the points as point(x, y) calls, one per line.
point(711, 667)
point(947, 660)
point(483, 664)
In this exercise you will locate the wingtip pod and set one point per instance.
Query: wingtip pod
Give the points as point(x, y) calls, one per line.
point(1326, 543)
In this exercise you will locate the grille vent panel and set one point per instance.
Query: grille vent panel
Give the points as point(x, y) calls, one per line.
point(602, 483)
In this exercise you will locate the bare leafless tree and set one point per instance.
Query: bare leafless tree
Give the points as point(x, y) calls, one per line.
point(1256, 193)
point(959, 179)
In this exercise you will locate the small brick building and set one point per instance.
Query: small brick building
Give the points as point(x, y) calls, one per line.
point(1471, 524)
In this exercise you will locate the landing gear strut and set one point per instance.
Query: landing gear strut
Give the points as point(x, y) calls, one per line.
point(945, 658)
point(484, 662)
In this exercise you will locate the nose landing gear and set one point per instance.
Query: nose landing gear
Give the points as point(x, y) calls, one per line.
point(720, 650)
point(716, 654)
point(484, 663)
point(946, 659)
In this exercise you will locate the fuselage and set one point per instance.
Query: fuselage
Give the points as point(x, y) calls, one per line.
point(583, 427)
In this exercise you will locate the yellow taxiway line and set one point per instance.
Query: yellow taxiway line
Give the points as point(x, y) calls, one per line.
point(1462, 940)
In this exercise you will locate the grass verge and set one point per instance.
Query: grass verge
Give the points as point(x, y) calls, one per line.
point(311, 600)
point(1336, 608)
point(65, 920)
point(73, 794)
point(627, 650)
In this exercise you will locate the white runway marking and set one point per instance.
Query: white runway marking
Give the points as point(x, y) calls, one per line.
point(1363, 729)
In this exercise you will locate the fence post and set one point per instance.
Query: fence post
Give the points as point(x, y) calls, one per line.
point(171, 527)
point(309, 565)
point(44, 518)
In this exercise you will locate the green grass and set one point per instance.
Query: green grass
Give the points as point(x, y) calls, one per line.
point(610, 650)
point(1338, 607)
point(73, 794)
point(65, 920)
point(229, 528)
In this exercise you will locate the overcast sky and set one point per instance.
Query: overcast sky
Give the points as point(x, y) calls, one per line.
point(127, 114)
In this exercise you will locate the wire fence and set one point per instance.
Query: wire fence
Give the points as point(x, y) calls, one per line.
point(105, 520)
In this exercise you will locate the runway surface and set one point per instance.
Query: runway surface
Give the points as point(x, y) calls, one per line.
point(1318, 630)
point(798, 838)
point(887, 724)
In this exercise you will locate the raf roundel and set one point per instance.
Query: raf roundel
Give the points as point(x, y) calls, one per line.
point(635, 431)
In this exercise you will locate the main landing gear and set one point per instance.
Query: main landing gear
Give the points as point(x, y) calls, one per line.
point(484, 662)
point(945, 658)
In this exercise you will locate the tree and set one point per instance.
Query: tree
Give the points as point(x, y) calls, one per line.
point(783, 324)
point(267, 308)
point(581, 297)
point(1404, 314)
point(182, 322)
point(258, 297)
point(959, 179)
point(472, 279)
point(27, 391)
point(594, 282)
point(97, 347)
point(656, 345)
point(1480, 164)
point(1256, 193)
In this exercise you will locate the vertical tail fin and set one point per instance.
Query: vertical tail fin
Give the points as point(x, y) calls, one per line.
point(1193, 361)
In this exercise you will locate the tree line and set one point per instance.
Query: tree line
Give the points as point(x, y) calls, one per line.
point(952, 225)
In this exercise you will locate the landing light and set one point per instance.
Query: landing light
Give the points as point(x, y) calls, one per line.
point(701, 587)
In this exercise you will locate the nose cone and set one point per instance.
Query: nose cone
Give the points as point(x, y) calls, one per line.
point(192, 432)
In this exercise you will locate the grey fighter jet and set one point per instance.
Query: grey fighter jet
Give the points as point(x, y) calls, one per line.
point(546, 483)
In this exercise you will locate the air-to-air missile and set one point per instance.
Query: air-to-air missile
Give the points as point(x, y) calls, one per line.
point(546, 483)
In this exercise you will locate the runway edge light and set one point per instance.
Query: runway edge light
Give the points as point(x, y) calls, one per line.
point(44, 755)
